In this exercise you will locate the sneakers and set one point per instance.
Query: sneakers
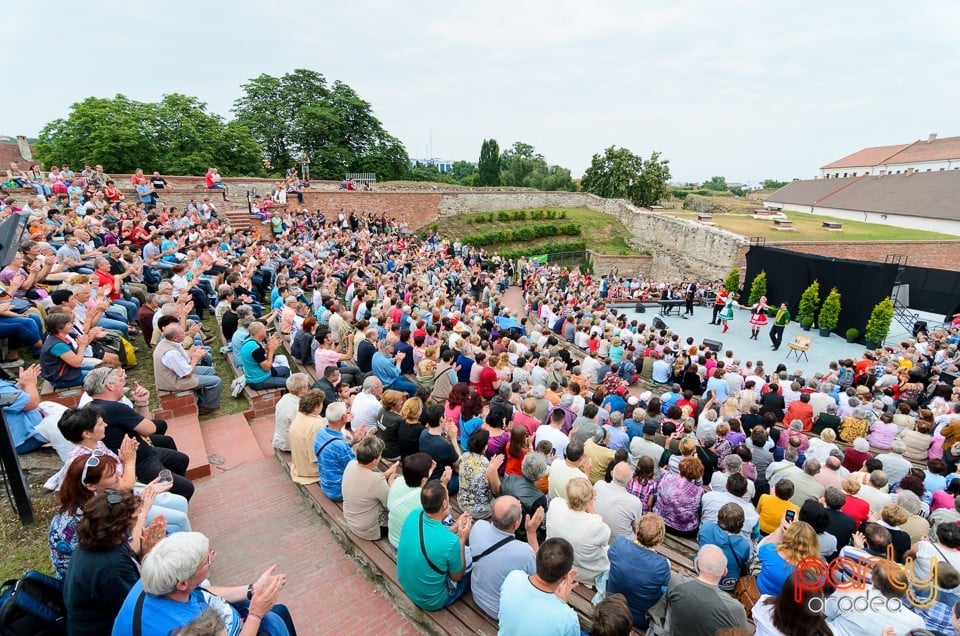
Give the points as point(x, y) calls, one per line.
point(237, 386)
point(11, 364)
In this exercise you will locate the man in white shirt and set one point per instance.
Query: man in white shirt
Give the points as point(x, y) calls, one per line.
point(872, 492)
point(177, 370)
point(552, 433)
point(573, 465)
point(619, 509)
point(895, 465)
point(661, 371)
point(366, 405)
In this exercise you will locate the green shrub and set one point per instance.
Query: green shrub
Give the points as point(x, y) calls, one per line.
point(732, 282)
point(562, 214)
point(807, 322)
point(853, 333)
point(546, 248)
point(878, 326)
point(830, 311)
point(536, 215)
point(503, 216)
point(809, 301)
point(520, 215)
point(758, 287)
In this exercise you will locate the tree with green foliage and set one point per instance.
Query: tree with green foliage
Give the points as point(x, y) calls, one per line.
point(488, 168)
point(620, 174)
point(464, 171)
point(758, 287)
point(522, 166)
point(829, 314)
point(772, 184)
point(878, 325)
point(732, 282)
point(423, 172)
point(301, 112)
point(175, 136)
point(809, 301)
point(717, 184)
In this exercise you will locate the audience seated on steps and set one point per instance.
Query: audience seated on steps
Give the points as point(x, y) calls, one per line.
point(157, 450)
point(175, 369)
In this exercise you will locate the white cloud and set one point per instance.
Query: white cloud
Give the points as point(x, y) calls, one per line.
point(746, 89)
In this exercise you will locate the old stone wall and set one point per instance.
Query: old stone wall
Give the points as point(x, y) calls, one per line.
point(630, 266)
point(416, 208)
point(679, 247)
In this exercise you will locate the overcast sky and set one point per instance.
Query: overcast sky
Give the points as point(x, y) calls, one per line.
point(748, 90)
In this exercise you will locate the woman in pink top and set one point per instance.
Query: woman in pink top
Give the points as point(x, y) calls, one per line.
point(883, 432)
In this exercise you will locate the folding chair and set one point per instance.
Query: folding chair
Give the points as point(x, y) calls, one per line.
point(799, 347)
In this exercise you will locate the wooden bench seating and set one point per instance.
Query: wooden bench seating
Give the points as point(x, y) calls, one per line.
point(68, 397)
point(832, 226)
point(262, 401)
point(783, 224)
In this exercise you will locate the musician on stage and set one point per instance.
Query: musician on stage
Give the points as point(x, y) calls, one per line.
point(689, 293)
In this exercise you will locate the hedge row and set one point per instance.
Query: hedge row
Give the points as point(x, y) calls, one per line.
point(506, 216)
point(525, 233)
point(546, 248)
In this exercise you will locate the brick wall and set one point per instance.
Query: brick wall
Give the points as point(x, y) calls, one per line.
point(936, 254)
point(416, 208)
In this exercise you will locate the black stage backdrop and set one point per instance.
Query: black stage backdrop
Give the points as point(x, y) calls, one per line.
point(933, 290)
point(861, 284)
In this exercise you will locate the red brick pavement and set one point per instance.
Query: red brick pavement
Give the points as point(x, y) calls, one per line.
point(254, 517)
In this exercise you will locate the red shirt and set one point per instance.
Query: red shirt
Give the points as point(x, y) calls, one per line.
point(485, 383)
point(106, 281)
point(208, 179)
point(800, 411)
point(856, 508)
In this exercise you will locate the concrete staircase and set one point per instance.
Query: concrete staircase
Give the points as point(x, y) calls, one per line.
point(220, 444)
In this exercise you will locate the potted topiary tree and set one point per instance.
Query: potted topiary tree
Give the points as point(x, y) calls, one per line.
point(758, 288)
point(732, 282)
point(878, 325)
point(809, 301)
point(852, 334)
point(829, 314)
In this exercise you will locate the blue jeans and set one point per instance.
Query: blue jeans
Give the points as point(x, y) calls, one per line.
point(174, 509)
point(462, 587)
point(118, 325)
point(66, 385)
point(211, 386)
point(29, 445)
point(276, 622)
point(130, 306)
point(403, 385)
point(277, 380)
point(24, 329)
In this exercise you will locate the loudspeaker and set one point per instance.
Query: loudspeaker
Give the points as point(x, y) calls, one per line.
point(659, 324)
point(640, 309)
point(11, 233)
point(713, 345)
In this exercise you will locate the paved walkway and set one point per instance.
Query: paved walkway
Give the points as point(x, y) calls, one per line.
point(255, 517)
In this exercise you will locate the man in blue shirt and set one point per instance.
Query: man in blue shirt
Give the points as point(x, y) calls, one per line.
point(538, 603)
point(429, 555)
point(333, 452)
point(21, 412)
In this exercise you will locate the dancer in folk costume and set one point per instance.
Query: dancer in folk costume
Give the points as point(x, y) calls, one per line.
point(758, 317)
point(726, 314)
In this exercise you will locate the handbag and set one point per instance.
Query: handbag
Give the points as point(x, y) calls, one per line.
point(745, 590)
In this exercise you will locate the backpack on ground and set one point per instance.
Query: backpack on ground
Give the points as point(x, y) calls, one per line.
point(32, 606)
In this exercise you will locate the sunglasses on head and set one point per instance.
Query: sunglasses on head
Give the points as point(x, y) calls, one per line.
point(114, 496)
point(93, 460)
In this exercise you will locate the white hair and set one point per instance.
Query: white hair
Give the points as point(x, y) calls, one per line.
point(861, 445)
point(298, 382)
point(174, 559)
point(711, 560)
point(336, 411)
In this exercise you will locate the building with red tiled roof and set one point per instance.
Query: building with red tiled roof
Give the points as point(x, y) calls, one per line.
point(929, 155)
point(918, 200)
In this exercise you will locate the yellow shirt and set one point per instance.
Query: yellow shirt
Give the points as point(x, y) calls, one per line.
point(771, 510)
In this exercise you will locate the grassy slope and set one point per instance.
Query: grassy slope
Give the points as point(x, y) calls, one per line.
point(603, 233)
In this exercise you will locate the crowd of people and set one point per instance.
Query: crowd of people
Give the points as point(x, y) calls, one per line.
point(535, 423)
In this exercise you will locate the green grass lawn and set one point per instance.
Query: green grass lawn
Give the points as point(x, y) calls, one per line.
point(603, 233)
point(808, 227)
